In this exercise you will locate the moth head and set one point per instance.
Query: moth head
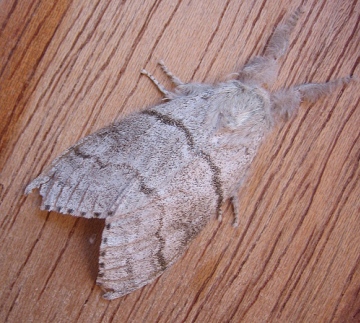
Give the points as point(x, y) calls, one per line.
point(237, 106)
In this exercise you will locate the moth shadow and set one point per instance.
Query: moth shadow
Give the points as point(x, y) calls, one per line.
point(90, 231)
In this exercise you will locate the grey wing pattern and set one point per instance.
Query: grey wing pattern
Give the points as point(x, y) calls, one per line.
point(154, 188)
point(136, 248)
point(114, 167)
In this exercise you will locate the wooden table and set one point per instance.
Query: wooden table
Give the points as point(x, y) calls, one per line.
point(73, 66)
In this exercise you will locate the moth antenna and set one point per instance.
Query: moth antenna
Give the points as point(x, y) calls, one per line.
point(264, 69)
point(286, 101)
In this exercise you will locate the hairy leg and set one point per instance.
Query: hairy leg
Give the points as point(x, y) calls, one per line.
point(175, 80)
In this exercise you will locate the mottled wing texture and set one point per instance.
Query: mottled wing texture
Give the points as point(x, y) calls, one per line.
point(137, 247)
point(155, 189)
point(117, 166)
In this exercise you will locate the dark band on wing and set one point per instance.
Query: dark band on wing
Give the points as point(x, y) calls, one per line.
point(172, 122)
point(216, 181)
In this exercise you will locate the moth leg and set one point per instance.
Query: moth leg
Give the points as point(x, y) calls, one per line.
point(174, 79)
point(285, 101)
point(236, 206)
point(181, 87)
point(264, 69)
point(234, 200)
point(161, 88)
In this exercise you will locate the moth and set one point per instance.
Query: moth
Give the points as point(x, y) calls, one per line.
point(157, 177)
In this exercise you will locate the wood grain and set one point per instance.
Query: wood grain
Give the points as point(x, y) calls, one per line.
point(70, 67)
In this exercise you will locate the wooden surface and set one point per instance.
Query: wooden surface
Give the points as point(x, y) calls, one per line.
point(70, 67)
